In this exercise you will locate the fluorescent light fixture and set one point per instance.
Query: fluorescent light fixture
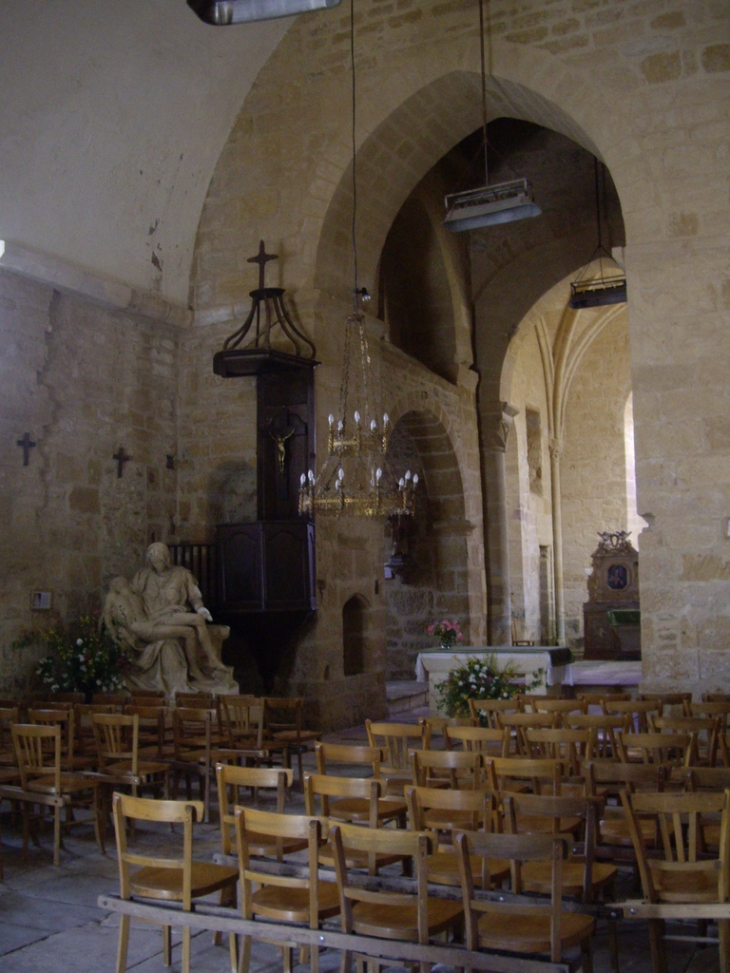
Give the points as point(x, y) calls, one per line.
point(598, 293)
point(503, 202)
point(222, 13)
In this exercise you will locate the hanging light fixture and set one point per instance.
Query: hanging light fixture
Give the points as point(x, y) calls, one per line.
point(502, 202)
point(610, 285)
point(223, 13)
point(356, 478)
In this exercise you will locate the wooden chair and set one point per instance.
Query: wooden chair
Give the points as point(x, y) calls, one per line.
point(478, 739)
point(453, 768)
point(70, 698)
point(582, 875)
point(399, 740)
point(705, 779)
point(676, 701)
point(71, 759)
point(120, 766)
point(520, 928)
point(485, 711)
point(116, 700)
point(283, 898)
point(613, 839)
point(683, 876)
point(285, 732)
point(596, 699)
point(570, 747)
point(368, 761)
point(147, 695)
point(390, 915)
point(635, 710)
point(514, 775)
point(435, 727)
point(327, 791)
point(716, 697)
point(38, 751)
point(544, 704)
point(84, 730)
point(232, 781)
point(193, 751)
point(154, 741)
point(657, 748)
point(170, 878)
point(717, 710)
point(196, 700)
point(242, 722)
point(445, 811)
point(517, 723)
point(604, 727)
point(706, 731)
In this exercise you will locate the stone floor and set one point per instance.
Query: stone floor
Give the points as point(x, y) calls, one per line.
point(49, 919)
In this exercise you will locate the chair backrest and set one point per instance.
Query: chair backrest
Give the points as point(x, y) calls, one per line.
point(603, 726)
point(461, 768)
point(518, 848)
point(231, 780)
point(479, 804)
point(192, 729)
point(686, 873)
point(435, 726)
point(595, 699)
point(482, 739)
point(37, 752)
point(503, 772)
point(279, 827)
point(117, 700)
point(571, 747)
point(544, 704)
point(635, 709)
point(242, 721)
point(616, 776)
point(675, 700)
point(716, 697)
point(71, 698)
point(517, 723)
point(400, 739)
point(152, 725)
point(719, 709)
point(657, 748)
point(125, 808)
point(554, 809)
point(416, 845)
point(343, 754)
point(284, 714)
point(148, 694)
point(63, 718)
point(319, 788)
point(117, 739)
point(8, 716)
point(703, 778)
point(83, 714)
point(706, 730)
point(485, 710)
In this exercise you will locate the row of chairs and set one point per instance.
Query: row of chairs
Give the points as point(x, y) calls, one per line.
point(534, 859)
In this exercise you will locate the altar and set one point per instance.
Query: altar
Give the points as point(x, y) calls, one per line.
point(555, 662)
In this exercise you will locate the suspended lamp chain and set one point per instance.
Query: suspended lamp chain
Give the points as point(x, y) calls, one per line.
point(484, 90)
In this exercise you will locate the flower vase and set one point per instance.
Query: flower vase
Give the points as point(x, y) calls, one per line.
point(447, 646)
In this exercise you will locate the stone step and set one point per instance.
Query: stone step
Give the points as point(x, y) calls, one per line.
point(403, 697)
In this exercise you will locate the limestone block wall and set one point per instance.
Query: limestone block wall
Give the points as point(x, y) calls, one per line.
point(593, 462)
point(82, 379)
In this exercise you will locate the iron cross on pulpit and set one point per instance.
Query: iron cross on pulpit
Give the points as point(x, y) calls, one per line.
point(27, 443)
point(262, 258)
point(121, 458)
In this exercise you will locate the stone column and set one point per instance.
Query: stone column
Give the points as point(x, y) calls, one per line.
point(494, 428)
point(556, 446)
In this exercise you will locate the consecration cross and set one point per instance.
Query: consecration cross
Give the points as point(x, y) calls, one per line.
point(262, 258)
point(27, 443)
point(121, 458)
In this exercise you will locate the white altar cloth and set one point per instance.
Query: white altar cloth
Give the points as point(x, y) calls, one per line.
point(435, 666)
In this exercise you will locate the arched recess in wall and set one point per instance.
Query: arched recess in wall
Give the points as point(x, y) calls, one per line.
point(568, 373)
point(435, 582)
point(354, 635)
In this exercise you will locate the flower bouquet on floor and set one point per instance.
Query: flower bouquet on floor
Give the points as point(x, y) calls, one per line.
point(80, 658)
point(448, 633)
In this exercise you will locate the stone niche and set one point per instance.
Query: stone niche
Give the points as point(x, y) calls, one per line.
point(611, 614)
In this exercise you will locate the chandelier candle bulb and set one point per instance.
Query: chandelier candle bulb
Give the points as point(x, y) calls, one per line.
point(331, 420)
point(303, 479)
point(373, 425)
point(378, 474)
point(357, 417)
point(415, 479)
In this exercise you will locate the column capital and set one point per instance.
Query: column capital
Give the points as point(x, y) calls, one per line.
point(496, 424)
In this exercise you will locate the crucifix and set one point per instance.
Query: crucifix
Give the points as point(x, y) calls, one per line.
point(262, 258)
point(27, 443)
point(121, 458)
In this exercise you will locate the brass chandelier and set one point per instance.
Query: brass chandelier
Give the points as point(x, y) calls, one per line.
point(356, 479)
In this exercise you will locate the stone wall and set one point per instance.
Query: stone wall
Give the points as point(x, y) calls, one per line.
point(82, 379)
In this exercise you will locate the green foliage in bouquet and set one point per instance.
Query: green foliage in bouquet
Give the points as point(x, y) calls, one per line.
point(480, 679)
point(80, 658)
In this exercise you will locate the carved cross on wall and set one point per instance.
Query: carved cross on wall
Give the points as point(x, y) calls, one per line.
point(262, 258)
point(121, 458)
point(27, 443)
